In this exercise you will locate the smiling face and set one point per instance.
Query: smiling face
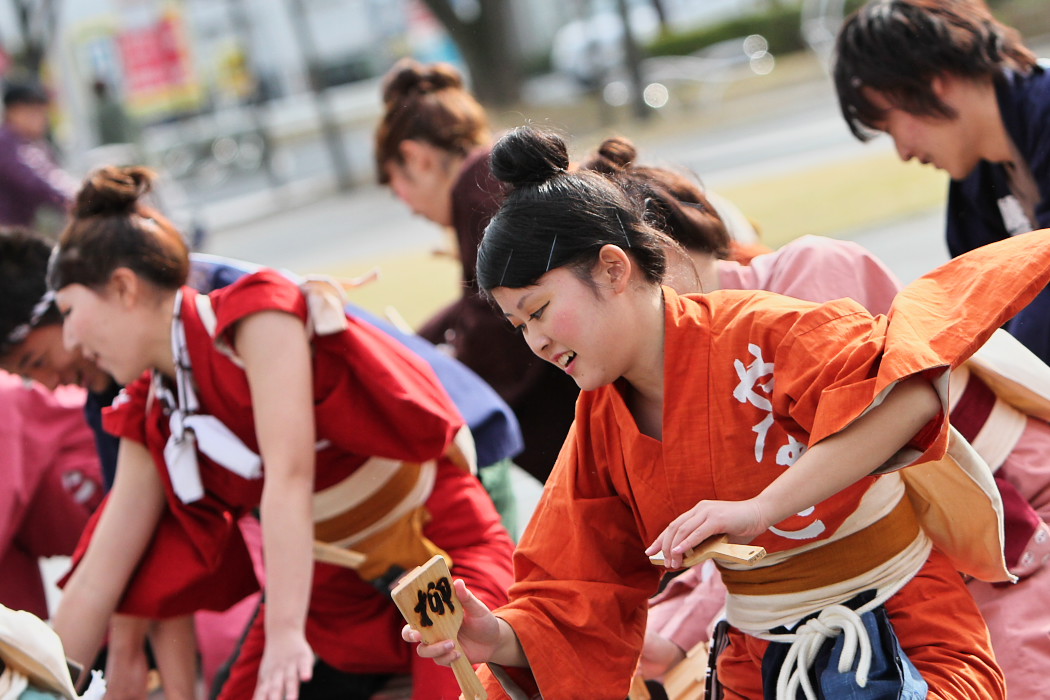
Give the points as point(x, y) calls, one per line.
point(42, 356)
point(956, 144)
point(560, 319)
point(582, 326)
point(109, 328)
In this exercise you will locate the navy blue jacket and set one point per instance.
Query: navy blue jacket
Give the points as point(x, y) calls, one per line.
point(974, 217)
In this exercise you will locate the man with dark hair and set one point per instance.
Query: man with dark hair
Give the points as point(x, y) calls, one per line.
point(956, 88)
point(30, 178)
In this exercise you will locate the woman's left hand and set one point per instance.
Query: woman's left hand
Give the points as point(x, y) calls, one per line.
point(741, 520)
point(287, 662)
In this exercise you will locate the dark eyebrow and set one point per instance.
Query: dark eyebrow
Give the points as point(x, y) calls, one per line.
point(521, 301)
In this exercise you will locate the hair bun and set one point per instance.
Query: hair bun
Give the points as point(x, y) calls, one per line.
point(112, 191)
point(615, 154)
point(409, 78)
point(528, 156)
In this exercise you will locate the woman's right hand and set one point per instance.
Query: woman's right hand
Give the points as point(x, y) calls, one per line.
point(287, 661)
point(479, 636)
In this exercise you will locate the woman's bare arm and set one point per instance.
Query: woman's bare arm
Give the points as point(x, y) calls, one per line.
point(276, 353)
point(132, 510)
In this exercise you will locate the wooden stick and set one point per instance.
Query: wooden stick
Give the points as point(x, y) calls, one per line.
point(718, 547)
point(397, 320)
point(331, 554)
point(430, 605)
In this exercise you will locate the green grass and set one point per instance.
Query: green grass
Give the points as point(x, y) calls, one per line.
point(833, 199)
point(414, 285)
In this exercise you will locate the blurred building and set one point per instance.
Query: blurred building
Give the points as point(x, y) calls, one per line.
point(168, 59)
point(219, 85)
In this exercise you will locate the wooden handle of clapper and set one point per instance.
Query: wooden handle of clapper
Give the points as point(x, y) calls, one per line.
point(718, 547)
point(331, 554)
point(467, 678)
point(429, 603)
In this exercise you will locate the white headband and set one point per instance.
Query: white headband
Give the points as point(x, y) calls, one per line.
point(21, 331)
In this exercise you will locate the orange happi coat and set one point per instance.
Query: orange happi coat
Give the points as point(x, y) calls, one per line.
point(751, 379)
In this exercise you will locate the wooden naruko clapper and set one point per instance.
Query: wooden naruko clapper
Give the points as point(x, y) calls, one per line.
point(717, 547)
point(429, 604)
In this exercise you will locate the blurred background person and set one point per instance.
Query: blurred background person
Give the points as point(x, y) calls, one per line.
point(31, 333)
point(32, 347)
point(956, 88)
point(113, 124)
point(432, 149)
point(35, 191)
point(50, 484)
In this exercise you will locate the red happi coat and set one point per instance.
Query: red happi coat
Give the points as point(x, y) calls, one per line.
point(751, 378)
point(372, 397)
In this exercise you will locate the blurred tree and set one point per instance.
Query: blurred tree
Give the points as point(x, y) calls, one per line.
point(37, 22)
point(319, 87)
point(632, 57)
point(484, 33)
point(661, 13)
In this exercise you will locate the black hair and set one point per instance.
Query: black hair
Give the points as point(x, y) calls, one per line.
point(23, 284)
point(25, 93)
point(896, 47)
point(552, 218)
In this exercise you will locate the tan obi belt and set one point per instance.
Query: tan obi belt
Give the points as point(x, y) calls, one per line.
point(837, 561)
point(379, 511)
